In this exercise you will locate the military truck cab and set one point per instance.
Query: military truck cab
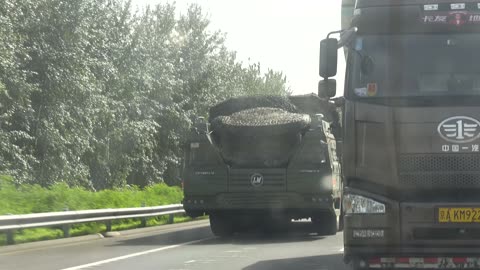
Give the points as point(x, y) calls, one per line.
point(411, 132)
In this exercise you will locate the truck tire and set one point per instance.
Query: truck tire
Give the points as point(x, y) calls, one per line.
point(221, 225)
point(326, 224)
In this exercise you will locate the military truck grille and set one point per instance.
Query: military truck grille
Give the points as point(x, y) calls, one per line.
point(462, 170)
point(255, 200)
point(273, 180)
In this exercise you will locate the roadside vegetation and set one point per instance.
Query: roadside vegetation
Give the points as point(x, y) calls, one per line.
point(96, 98)
point(26, 198)
point(101, 93)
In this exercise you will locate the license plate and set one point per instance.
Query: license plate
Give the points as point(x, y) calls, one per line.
point(458, 215)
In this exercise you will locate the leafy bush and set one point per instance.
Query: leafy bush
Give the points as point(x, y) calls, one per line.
point(96, 94)
point(25, 199)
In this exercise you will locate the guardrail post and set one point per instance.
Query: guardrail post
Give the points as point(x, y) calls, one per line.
point(10, 235)
point(66, 227)
point(108, 224)
point(171, 218)
point(10, 238)
point(143, 219)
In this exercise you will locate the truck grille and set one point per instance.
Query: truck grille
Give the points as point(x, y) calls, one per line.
point(273, 180)
point(462, 170)
point(253, 200)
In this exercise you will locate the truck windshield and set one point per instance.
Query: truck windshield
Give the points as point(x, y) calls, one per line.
point(415, 65)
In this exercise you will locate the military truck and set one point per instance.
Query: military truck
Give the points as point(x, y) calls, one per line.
point(410, 131)
point(261, 162)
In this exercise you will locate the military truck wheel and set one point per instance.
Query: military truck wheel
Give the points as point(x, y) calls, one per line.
point(221, 225)
point(326, 223)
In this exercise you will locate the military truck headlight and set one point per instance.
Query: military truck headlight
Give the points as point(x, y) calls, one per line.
point(356, 204)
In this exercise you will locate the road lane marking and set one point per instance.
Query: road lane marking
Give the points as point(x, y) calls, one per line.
point(84, 266)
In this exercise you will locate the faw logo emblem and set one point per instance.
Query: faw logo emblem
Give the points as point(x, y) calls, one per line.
point(256, 179)
point(459, 129)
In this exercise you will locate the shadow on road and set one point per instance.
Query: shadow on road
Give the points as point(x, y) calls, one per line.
point(168, 238)
point(262, 239)
point(294, 233)
point(325, 262)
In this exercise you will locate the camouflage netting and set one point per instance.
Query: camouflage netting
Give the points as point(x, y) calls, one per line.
point(312, 104)
point(238, 104)
point(265, 121)
point(261, 131)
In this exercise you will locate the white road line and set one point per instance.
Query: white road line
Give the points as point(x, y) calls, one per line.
point(84, 266)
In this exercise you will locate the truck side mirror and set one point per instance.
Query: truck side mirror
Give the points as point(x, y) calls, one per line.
point(327, 88)
point(328, 57)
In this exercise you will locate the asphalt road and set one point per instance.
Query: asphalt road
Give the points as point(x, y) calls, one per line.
point(188, 246)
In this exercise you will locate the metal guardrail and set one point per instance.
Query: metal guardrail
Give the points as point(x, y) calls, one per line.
point(10, 223)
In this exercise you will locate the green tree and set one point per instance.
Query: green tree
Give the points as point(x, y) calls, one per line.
point(97, 95)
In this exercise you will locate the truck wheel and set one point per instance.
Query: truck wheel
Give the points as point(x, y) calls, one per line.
point(326, 224)
point(221, 225)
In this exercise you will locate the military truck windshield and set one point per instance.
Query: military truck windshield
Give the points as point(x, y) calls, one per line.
point(415, 65)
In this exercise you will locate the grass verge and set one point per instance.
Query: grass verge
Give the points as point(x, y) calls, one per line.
point(41, 234)
point(25, 199)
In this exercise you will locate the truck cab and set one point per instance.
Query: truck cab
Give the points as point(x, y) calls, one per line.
point(411, 132)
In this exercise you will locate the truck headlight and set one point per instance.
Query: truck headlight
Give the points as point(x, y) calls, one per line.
point(356, 204)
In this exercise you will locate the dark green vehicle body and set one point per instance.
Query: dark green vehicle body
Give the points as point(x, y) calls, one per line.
point(304, 188)
point(404, 137)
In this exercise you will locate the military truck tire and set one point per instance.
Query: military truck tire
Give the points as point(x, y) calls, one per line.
point(326, 224)
point(194, 213)
point(221, 225)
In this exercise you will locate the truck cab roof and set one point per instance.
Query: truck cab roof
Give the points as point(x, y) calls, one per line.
point(380, 3)
point(412, 16)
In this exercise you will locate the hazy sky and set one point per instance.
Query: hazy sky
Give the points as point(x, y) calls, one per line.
point(282, 35)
